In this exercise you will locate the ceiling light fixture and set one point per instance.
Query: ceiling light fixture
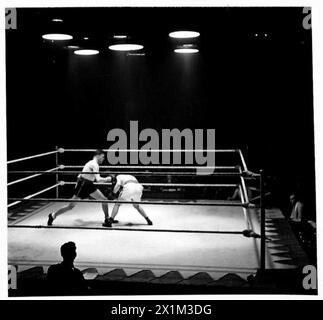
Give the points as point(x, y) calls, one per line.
point(186, 50)
point(57, 36)
point(86, 52)
point(184, 34)
point(125, 47)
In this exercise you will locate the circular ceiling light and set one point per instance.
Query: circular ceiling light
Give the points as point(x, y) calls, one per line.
point(186, 50)
point(86, 52)
point(57, 20)
point(184, 34)
point(126, 47)
point(57, 36)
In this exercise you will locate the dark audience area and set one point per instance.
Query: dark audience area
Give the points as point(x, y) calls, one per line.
point(295, 197)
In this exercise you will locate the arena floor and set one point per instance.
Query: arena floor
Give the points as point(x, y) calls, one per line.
point(171, 246)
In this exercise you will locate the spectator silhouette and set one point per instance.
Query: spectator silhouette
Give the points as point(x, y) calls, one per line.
point(297, 212)
point(63, 278)
point(296, 218)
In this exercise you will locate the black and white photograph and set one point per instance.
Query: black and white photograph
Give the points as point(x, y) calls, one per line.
point(160, 151)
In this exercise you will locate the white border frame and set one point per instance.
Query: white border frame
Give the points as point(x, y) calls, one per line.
point(317, 27)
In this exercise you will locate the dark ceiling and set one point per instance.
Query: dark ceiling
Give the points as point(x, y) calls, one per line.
point(251, 80)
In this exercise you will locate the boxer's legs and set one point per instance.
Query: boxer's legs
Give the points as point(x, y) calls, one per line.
point(142, 212)
point(115, 210)
point(98, 195)
point(52, 216)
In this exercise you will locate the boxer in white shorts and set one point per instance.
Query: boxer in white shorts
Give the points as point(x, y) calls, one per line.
point(131, 190)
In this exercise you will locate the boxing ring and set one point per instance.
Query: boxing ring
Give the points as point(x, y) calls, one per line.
point(210, 234)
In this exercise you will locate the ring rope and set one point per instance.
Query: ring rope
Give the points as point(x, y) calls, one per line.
point(244, 165)
point(156, 150)
point(142, 173)
point(31, 157)
point(125, 229)
point(158, 167)
point(245, 213)
point(244, 188)
point(30, 197)
point(30, 177)
point(167, 184)
point(215, 203)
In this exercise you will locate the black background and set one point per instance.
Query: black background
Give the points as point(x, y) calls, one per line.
point(221, 310)
point(255, 91)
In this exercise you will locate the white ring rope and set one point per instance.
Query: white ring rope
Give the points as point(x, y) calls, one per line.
point(30, 177)
point(139, 173)
point(244, 189)
point(245, 213)
point(32, 195)
point(166, 184)
point(152, 202)
point(156, 150)
point(31, 157)
point(147, 167)
point(244, 165)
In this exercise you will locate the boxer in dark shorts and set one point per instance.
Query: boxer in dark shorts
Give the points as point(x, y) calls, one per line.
point(86, 188)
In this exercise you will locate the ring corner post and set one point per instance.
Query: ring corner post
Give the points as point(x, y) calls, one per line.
point(262, 223)
point(56, 175)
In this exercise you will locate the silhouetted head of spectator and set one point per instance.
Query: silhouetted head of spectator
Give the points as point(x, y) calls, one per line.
point(68, 252)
